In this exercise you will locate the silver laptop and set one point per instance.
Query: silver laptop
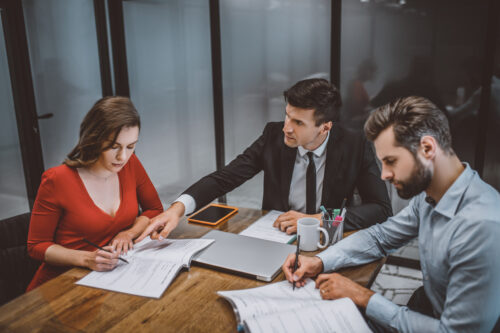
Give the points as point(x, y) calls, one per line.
point(252, 257)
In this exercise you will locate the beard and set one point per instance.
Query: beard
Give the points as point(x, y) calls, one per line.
point(418, 182)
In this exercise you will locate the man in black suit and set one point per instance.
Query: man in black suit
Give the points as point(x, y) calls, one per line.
point(308, 161)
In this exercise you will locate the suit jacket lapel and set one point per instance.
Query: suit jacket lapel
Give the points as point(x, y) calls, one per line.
point(288, 156)
point(334, 156)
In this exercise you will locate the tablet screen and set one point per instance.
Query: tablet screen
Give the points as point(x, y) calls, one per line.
point(212, 214)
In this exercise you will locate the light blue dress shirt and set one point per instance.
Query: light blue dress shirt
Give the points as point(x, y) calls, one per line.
point(459, 245)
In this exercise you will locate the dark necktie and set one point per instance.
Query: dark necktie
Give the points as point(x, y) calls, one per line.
point(311, 186)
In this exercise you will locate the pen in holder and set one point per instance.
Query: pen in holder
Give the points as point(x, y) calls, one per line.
point(334, 224)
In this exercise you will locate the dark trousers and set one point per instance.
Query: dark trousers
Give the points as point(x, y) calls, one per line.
point(419, 302)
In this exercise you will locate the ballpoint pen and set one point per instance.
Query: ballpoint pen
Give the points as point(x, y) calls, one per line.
point(100, 248)
point(343, 205)
point(296, 264)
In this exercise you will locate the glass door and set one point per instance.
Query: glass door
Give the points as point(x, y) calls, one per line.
point(64, 57)
point(21, 163)
point(13, 196)
point(167, 49)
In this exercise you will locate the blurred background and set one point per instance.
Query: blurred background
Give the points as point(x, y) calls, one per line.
point(206, 76)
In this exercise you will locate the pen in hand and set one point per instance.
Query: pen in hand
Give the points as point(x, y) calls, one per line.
point(100, 248)
point(296, 263)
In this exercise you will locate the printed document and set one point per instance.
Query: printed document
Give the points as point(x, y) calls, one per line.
point(278, 308)
point(152, 266)
point(263, 229)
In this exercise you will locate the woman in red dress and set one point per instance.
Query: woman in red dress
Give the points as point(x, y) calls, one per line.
point(95, 195)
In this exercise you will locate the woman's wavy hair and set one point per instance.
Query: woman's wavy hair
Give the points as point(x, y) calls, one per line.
point(100, 128)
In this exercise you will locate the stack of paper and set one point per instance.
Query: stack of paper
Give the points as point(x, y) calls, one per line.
point(152, 266)
point(278, 308)
point(263, 229)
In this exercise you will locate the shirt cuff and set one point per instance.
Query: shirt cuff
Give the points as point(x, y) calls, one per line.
point(381, 310)
point(188, 202)
point(329, 261)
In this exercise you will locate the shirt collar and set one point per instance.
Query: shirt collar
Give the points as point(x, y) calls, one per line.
point(448, 204)
point(318, 151)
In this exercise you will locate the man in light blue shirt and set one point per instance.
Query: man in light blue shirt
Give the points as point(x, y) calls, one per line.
point(454, 214)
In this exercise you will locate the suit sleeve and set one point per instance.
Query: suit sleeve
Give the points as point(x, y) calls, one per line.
point(44, 217)
point(376, 205)
point(146, 193)
point(242, 168)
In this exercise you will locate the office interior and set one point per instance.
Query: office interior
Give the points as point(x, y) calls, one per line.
point(207, 75)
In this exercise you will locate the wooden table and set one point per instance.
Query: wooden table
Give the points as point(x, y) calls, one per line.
point(190, 304)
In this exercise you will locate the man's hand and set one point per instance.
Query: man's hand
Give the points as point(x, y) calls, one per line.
point(161, 225)
point(287, 222)
point(307, 267)
point(334, 285)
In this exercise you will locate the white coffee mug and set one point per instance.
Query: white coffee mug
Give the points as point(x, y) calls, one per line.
point(309, 231)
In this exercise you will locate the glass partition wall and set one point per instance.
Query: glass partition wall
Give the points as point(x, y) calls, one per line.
point(267, 46)
point(388, 49)
point(13, 197)
point(491, 173)
point(62, 44)
point(432, 49)
point(170, 75)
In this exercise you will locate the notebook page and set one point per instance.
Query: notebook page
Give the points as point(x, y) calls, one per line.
point(263, 229)
point(271, 298)
point(172, 250)
point(141, 277)
point(340, 316)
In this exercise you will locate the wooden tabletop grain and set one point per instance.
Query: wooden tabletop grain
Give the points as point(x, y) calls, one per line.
point(190, 304)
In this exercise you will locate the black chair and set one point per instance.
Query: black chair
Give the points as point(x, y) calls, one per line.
point(16, 267)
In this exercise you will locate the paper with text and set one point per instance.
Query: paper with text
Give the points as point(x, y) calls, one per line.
point(278, 308)
point(173, 250)
point(152, 267)
point(263, 229)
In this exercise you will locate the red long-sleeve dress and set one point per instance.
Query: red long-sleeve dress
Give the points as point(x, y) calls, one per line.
point(64, 213)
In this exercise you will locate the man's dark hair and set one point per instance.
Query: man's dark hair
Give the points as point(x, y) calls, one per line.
point(411, 118)
point(317, 94)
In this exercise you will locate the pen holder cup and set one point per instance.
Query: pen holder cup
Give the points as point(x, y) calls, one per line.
point(334, 228)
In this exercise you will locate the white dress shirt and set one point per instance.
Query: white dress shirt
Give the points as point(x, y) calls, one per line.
point(297, 196)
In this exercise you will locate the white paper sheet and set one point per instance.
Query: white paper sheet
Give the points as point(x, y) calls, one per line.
point(152, 266)
point(339, 316)
point(141, 277)
point(263, 229)
point(271, 298)
point(271, 307)
point(172, 250)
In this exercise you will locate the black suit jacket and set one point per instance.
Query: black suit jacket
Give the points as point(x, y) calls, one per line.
point(350, 164)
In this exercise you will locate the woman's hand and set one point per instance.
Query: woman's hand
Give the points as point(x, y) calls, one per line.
point(101, 260)
point(122, 242)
